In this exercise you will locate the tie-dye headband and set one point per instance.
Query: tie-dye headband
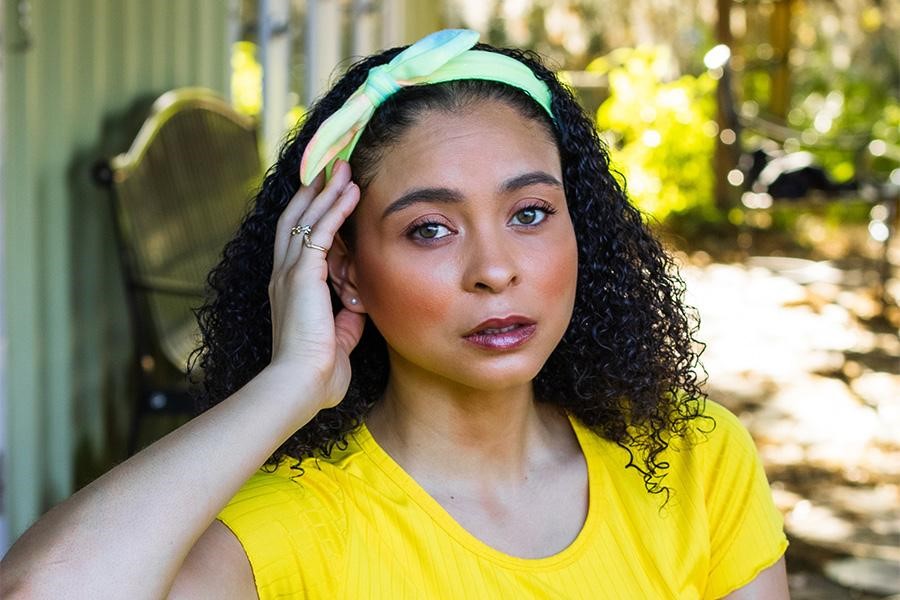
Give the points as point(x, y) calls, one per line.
point(438, 57)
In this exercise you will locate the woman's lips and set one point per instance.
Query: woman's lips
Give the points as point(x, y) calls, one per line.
point(499, 323)
point(503, 340)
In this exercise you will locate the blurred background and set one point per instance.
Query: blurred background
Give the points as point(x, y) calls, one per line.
point(761, 139)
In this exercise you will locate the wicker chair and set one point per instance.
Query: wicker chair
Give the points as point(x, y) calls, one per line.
point(179, 194)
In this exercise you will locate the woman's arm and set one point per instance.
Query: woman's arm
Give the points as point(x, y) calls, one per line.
point(127, 534)
point(215, 568)
point(770, 584)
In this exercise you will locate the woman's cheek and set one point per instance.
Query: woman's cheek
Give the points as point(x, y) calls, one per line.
point(406, 294)
point(557, 266)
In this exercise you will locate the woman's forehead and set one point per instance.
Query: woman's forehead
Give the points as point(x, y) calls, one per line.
point(490, 142)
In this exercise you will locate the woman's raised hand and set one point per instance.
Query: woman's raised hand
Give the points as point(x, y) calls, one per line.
point(123, 555)
point(308, 341)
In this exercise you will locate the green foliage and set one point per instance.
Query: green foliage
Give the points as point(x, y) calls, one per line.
point(844, 72)
point(661, 132)
point(246, 79)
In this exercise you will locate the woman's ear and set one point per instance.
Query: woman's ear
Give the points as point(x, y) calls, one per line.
point(342, 273)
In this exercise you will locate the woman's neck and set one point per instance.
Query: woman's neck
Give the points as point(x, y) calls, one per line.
point(437, 430)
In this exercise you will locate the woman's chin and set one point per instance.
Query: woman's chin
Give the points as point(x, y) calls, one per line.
point(470, 368)
point(492, 378)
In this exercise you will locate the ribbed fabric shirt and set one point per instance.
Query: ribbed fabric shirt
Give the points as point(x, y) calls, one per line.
point(356, 525)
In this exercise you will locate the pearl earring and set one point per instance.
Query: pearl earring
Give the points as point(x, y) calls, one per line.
point(354, 301)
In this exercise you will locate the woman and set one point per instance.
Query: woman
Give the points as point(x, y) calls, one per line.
point(502, 404)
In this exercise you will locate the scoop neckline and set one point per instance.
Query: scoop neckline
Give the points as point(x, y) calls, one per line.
point(460, 534)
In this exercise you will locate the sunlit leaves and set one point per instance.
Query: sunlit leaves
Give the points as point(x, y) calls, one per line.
point(659, 129)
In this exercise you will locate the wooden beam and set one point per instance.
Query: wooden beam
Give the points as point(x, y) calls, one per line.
point(726, 154)
point(781, 47)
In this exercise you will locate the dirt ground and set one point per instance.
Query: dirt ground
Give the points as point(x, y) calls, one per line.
point(802, 344)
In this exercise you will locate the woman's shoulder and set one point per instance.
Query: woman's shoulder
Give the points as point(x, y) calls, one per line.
point(712, 452)
point(311, 486)
point(295, 496)
point(718, 434)
point(729, 421)
point(288, 482)
point(711, 430)
point(708, 444)
point(291, 521)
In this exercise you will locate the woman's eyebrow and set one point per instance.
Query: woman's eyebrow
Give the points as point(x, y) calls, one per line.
point(533, 178)
point(417, 195)
point(444, 195)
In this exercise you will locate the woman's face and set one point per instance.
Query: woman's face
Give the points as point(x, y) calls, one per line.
point(466, 221)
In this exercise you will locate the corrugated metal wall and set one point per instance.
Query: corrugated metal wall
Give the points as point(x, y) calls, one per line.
point(72, 71)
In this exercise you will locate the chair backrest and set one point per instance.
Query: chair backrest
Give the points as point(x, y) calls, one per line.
point(180, 193)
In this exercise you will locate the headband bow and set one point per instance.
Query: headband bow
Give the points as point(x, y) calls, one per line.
point(441, 56)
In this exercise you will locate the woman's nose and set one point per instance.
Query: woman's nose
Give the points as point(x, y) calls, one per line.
point(490, 263)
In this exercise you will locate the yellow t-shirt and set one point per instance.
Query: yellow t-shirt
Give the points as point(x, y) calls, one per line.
point(357, 526)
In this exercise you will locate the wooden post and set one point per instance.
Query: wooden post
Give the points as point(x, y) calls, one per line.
point(781, 46)
point(726, 154)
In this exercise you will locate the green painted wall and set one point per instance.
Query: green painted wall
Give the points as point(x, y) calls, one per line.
point(67, 100)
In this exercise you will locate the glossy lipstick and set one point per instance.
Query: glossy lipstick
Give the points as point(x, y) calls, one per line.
point(502, 334)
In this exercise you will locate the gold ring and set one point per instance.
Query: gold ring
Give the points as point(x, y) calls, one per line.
point(306, 231)
point(308, 243)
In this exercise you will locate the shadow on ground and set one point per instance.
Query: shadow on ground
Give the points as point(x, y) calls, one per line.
point(802, 347)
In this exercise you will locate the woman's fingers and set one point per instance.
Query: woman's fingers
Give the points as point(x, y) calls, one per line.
point(289, 216)
point(326, 225)
point(304, 327)
point(327, 198)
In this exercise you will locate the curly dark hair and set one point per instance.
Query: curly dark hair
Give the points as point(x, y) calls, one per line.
point(625, 365)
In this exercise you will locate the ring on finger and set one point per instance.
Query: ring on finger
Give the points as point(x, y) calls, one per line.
point(306, 232)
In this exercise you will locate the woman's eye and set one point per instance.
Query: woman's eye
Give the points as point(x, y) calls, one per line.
point(530, 216)
point(430, 231)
